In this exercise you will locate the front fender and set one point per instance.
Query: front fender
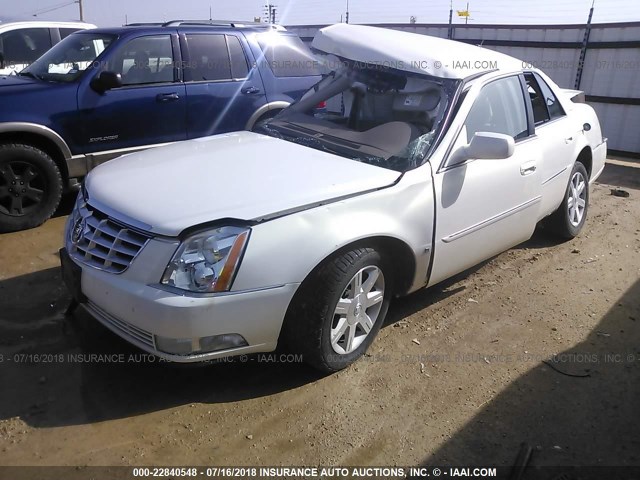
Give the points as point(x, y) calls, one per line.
point(286, 249)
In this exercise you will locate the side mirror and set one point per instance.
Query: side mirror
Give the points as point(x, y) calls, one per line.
point(485, 146)
point(106, 81)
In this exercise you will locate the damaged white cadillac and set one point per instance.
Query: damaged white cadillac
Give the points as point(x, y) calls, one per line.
point(420, 164)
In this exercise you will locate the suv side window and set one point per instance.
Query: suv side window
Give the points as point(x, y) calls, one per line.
point(499, 108)
point(288, 56)
point(545, 104)
point(25, 45)
point(145, 60)
point(208, 58)
point(239, 68)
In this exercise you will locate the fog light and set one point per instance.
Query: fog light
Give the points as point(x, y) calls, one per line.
point(222, 342)
point(189, 346)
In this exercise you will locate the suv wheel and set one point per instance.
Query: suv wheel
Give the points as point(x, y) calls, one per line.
point(338, 312)
point(30, 187)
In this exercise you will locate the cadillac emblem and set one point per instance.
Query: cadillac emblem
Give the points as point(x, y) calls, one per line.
point(78, 230)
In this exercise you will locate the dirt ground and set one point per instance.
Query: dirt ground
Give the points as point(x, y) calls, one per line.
point(457, 376)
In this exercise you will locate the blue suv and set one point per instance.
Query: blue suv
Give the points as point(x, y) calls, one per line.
point(103, 93)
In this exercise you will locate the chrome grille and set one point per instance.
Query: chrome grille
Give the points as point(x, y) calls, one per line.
point(102, 242)
point(125, 329)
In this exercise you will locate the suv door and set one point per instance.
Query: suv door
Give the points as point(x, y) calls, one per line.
point(484, 207)
point(150, 107)
point(21, 47)
point(222, 91)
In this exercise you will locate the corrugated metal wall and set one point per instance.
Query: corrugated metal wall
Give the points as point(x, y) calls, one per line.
point(611, 74)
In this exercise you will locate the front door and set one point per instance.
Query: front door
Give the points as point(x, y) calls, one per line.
point(484, 207)
point(149, 108)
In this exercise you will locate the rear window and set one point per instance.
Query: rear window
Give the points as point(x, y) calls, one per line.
point(288, 56)
point(24, 45)
point(65, 32)
point(208, 58)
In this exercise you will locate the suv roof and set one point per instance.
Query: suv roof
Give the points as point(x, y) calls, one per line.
point(209, 23)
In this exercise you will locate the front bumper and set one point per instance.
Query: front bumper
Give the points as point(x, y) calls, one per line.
point(139, 312)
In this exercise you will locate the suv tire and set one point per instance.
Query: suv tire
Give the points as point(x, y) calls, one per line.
point(30, 187)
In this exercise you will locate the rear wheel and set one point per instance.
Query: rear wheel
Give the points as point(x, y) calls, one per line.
point(569, 218)
point(338, 312)
point(30, 187)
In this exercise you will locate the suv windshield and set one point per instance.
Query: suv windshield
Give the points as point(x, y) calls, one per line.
point(66, 61)
point(369, 113)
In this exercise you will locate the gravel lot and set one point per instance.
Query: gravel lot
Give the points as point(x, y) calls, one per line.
point(458, 375)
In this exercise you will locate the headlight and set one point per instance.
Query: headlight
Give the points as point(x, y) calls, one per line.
point(207, 261)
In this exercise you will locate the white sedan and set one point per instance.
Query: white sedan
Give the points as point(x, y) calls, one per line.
point(413, 159)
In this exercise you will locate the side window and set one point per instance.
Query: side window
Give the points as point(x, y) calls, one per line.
point(145, 60)
point(208, 58)
point(499, 108)
point(25, 45)
point(239, 67)
point(555, 109)
point(65, 32)
point(540, 112)
point(288, 56)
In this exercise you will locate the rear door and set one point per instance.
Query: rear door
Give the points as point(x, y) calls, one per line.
point(558, 137)
point(484, 207)
point(222, 90)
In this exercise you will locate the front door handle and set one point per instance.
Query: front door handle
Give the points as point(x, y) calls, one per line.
point(568, 140)
point(167, 97)
point(527, 168)
point(250, 90)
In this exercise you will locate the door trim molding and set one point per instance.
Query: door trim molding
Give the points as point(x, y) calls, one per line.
point(490, 221)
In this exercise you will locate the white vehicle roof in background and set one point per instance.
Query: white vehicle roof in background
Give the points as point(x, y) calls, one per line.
point(10, 23)
point(410, 52)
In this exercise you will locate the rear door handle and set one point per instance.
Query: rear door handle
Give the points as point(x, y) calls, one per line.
point(167, 97)
point(568, 140)
point(527, 168)
point(250, 90)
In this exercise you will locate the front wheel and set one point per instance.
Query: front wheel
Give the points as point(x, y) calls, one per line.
point(30, 187)
point(338, 312)
point(569, 218)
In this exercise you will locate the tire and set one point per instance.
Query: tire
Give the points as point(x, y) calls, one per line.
point(30, 187)
point(567, 221)
point(313, 319)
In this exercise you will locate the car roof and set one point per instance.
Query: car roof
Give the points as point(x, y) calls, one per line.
point(410, 52)
point(6, 22)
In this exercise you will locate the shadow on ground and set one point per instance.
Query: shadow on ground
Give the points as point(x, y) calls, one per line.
point(568, 420)
point(624, 176)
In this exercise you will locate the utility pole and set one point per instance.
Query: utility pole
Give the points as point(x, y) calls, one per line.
point(450, 31)
point(210, 18)
point(583, 50)
point(466, 19)
point(347, 16)
point(270, 12)
point(81, 10)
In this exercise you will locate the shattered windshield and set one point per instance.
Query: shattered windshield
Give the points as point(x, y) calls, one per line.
point(372, 114)
point(67, 60)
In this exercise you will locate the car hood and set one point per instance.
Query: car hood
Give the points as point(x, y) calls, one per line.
point(242, 175)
